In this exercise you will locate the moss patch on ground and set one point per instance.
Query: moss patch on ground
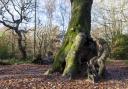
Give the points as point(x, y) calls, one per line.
point(15, 61)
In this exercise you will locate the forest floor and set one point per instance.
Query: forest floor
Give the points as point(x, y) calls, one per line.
point(30, 76)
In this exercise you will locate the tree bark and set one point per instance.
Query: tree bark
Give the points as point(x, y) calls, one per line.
point(78, 47)
point(21, 46)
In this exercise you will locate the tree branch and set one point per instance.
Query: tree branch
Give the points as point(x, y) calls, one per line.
point(5, 24)
point(15, 7)
point(8, 9)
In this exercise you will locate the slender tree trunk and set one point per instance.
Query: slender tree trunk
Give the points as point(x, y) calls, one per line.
point(78, 47)
point(13, 43)
point(21, 45)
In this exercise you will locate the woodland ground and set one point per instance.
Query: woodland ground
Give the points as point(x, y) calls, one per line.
point(30, 76)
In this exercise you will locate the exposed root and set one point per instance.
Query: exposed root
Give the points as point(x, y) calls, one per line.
point(96, 65)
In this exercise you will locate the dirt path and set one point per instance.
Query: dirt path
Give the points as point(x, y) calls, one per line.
point(31, 77)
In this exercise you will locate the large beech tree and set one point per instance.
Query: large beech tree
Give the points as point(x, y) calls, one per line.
point(79, 52)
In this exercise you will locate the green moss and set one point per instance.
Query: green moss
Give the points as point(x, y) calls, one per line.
point(57, 65)
point(61, 54)
point(71, 61)
point(1, 34)
point(70, 70)
point(126, 62)
point(16, 61)
point(80, 22)
point(60, 57)
point(120, 47)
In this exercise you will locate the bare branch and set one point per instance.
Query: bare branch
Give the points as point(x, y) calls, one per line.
point(15, 7)
point(4, 3)
point(5, 24)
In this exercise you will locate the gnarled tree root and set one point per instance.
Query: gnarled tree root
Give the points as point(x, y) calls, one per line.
point(96, 66)
point(71, 60)
point(71, 64)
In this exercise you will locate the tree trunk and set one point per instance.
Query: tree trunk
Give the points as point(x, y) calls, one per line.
point(78, 47)
point(21, 45)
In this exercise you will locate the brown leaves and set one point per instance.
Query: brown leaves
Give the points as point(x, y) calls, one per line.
point(31, 77)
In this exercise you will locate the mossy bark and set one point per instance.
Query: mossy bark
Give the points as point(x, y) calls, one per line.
point(78, 46)
point(66, 60)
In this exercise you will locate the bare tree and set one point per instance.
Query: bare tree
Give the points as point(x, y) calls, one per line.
point(43, 39)
point(110, 19)
point(50, 9)
point(13, 14)
point(64, 15)
point(35, 28)
point(50, 6)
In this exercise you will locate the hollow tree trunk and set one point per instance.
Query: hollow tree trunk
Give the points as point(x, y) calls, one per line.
point(78, 47)
point(21, 45)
